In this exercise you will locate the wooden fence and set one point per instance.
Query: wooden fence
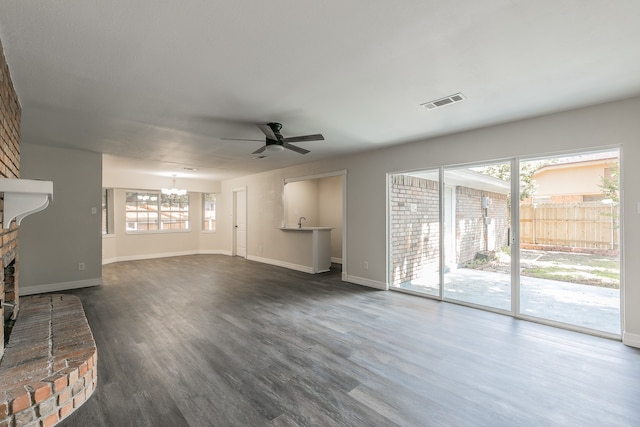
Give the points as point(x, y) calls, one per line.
point(590, 225)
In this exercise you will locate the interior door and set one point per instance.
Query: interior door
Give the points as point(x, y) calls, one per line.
point(240, 223)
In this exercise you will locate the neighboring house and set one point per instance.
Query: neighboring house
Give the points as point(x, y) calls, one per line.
point(570, 210)
point(575, 179)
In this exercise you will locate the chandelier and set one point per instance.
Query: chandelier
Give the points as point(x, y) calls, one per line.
point(174, 191)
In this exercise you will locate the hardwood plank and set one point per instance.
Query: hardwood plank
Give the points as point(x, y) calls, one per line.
point(211, 340)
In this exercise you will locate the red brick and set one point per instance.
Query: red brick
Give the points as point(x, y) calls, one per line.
point(73, 375)
point(51, 420)
point(23, 401)
point(4, 410)
point(42, 392)
point(66, 410)
point(79, 399)
point(64, 396)
point(60, 384)
point(82, 369)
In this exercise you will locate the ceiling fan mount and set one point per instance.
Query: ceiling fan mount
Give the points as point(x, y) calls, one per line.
point(274, 140)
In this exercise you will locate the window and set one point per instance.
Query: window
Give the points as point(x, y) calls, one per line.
point(151, 211)
point(107, 211)
point(209, 212)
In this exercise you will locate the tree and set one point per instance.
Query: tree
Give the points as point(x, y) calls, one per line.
point(527, 169)
point(610, 183)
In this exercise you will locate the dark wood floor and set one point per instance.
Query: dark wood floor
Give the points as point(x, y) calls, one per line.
point(221, 341)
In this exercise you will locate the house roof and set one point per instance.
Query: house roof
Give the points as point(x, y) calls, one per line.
point(464, 177)
point(164, 82)
point(604, 158)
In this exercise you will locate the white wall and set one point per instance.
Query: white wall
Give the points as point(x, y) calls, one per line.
point(301, 200)
point(122, 246)
point(52, 242)
point(330, 211)
point(591, 127)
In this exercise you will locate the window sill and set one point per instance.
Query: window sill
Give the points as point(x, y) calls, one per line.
point(142, 233)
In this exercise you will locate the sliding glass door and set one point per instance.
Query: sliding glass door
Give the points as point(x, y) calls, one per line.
point(452, 237)
point(477, 257)
point(570, 240)
point(414, 225)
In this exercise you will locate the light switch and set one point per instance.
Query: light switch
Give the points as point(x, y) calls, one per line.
point(94, 211)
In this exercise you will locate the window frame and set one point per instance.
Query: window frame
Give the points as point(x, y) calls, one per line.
point(107, 211)
point(159, 201)
point(204, 213)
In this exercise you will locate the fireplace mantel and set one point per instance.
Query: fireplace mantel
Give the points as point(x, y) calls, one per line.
point(23, 197)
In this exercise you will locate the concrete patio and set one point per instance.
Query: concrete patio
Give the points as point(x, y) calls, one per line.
point(586, 306)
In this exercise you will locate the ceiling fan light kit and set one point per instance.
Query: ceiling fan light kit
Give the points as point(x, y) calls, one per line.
point(274, 147)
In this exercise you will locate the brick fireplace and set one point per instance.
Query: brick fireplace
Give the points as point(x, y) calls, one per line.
point(10, 112)
point(48, 367)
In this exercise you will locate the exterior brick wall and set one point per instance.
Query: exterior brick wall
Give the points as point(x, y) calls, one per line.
point(472, 234)
point(10, 113)
point(415, 227)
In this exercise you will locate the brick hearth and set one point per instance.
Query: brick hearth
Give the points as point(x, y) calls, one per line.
point(49, 366)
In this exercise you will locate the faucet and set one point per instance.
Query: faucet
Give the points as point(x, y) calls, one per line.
point(300, 221)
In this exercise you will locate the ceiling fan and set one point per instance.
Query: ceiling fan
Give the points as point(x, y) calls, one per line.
point(276, 142)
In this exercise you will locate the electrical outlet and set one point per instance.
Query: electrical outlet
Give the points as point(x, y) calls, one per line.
point(366, 265)
point(81, 266)
point(94, 211)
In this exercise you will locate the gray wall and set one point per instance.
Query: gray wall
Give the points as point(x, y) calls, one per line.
point(53, 241)
point(593, 127)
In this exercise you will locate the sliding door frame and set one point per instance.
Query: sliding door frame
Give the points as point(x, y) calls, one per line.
point(514, 241)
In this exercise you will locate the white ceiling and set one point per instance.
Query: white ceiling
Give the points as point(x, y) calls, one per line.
point(166, 80)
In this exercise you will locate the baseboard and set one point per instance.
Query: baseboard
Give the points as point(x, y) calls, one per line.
point(55, 287)
point(275, 262)
point(365, 282)
point(164, 255)
point(632, 340)
point(336, 260)
point(213, 252)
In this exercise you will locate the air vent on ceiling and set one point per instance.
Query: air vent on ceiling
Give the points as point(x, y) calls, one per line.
point(447, 100)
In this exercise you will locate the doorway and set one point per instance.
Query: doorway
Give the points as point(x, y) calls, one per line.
point(240, 223)
point(319, 201)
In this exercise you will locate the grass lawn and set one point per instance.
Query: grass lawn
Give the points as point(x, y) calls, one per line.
point(587, 269)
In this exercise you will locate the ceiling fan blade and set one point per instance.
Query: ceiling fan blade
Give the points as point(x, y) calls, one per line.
point(296, 149)
point(267, 131)
point(260, 150)
point(241, 139)
point(316, 137)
